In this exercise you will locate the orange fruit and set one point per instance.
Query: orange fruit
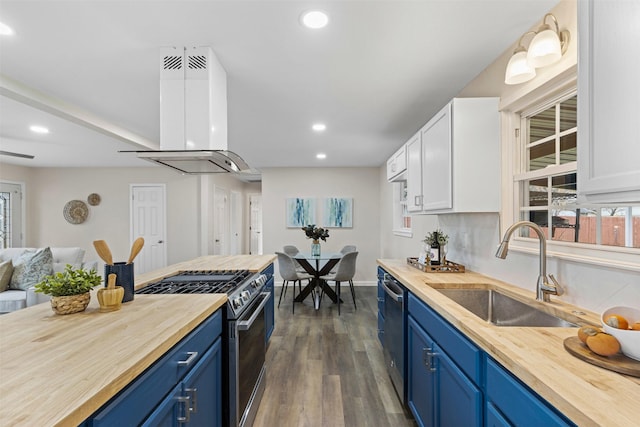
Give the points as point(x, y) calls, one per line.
point(587, 331)
point(603, 344)
point(616, 321)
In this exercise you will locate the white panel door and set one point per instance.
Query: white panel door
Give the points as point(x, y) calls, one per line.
point(220, 221)
point(255, 227)
point(148, 220)
point(235, 232)
point(11, 215)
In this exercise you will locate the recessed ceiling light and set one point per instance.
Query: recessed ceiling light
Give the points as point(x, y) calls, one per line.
point(5, 30)
point(38, 129)
point(315, 19)
point(319, 127)
point(321, 156)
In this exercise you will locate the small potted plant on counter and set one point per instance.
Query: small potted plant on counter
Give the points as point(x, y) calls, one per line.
point(69, 289)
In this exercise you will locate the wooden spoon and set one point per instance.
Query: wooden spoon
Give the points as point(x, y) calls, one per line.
point(135, 249)
point(103, 251)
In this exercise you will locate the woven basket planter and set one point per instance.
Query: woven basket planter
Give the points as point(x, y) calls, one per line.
point(70, 304)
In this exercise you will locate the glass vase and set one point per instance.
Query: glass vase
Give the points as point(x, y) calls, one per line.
point(315, 248)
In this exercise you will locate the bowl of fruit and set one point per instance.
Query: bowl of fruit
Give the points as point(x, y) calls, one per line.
point(624, 324)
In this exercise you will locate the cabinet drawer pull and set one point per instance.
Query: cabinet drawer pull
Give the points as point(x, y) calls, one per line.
point(190, 359)
point(430, 355)
point(193, 393)
point(184, 402)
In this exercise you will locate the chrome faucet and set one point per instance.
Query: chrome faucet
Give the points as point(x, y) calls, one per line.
point(543, 287)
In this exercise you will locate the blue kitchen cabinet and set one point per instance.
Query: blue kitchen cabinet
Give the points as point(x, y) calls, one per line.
point(196, 360)
point(516, 404)
point(381, 296)
point(441, 392)
point(269, 309)
point(421, 381)
point(196, 401)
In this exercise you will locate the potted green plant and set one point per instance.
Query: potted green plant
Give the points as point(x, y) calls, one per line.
point(69, 289)
point(315, 233)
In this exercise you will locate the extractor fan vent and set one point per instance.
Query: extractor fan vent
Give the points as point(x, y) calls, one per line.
point(197, 62)
point(172, 62)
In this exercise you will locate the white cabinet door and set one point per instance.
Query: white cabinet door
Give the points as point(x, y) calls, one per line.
point(609, 101)
point(397, 164)
point(436, 161)
point(461, 158)
point(414, 174)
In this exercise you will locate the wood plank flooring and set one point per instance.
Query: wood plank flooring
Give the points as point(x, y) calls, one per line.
point(328, 370)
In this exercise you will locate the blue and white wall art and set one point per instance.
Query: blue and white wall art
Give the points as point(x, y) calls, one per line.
point(338, 212)
point(300, 212)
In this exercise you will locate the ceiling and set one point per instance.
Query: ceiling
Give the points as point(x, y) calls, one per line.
point(89, 71)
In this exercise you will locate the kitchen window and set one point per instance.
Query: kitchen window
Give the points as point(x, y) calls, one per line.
point(545, 180)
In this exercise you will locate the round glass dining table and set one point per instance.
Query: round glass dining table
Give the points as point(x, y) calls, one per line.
point(317, 266)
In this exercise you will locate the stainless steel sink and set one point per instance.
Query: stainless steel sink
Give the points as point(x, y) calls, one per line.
point(501, 310)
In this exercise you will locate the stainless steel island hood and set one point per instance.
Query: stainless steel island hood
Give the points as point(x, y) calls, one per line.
point(193, 114)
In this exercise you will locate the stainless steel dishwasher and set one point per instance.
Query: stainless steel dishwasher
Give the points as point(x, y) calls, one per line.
point(395, 321)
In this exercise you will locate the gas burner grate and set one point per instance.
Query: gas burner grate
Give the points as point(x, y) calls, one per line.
point(198, 282)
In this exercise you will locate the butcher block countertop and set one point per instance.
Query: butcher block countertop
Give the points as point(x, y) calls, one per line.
point(586, 394)
point(57, 370)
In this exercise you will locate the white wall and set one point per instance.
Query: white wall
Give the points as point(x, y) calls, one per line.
point(49, 189)
point(474, 237)
point(362, 184)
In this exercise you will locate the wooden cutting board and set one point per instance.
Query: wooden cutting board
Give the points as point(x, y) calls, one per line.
point(618, 362)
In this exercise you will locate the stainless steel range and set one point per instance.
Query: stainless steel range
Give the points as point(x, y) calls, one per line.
point(244, 332)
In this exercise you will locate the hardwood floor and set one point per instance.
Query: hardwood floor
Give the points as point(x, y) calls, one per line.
point(328, 370)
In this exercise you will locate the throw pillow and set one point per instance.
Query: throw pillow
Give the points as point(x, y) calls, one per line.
point(6, 270)
point(30, 268)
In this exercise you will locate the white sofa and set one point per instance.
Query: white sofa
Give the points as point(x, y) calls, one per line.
point(15, 299)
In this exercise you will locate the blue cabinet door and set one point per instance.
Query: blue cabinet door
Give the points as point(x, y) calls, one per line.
point(203, 387)
point(459, 401)
point(517, 403)
point(421, 381)
point(197, 400)
point(495, 418)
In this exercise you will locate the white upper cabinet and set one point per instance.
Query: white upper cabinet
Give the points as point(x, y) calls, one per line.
point(609, 101)
point(414, 174)
point(454, 162)
point(397, 164)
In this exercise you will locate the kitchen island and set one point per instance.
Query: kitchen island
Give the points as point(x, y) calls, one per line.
point(584, 393)
point(58, 370)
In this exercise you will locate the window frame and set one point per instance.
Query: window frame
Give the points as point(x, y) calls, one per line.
point(513, 161)
point(400, 205)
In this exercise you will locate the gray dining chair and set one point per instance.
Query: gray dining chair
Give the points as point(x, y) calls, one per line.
point(348, 248)
point(287, 269)
point(345, 270)
point(292, 251)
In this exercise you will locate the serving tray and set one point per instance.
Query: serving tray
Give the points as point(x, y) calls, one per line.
point(447, 267)
point(617, 363)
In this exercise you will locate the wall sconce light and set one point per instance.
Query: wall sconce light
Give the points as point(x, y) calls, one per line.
point(546, 48)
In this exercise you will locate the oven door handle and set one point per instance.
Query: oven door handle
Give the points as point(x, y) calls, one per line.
point(244, 325)
point(397, 297)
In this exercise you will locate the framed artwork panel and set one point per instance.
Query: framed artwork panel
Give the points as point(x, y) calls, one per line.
point(338, 212)
point(300, 211)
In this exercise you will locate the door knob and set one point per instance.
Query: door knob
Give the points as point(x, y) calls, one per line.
point(160, 241)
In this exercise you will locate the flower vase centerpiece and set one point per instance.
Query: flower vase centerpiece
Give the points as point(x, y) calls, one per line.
point(69, 289)
point(316, 234)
